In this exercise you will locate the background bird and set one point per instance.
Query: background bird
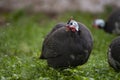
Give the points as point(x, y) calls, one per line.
point(111, 25)
point(67, 45)
point(114, 54)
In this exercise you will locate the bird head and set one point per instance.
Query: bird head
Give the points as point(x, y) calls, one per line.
point(72, 25)
point(99, 23)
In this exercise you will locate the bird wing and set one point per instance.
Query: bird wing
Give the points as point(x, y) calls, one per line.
point(52, 44)
point(59, 25)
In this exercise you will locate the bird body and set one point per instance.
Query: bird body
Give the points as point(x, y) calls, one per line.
point(67, 48)
point(111, 25)
point(114, 54)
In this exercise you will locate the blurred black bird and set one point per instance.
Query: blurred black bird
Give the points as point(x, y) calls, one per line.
point(67, 45)
point(114, 54)
point(111, 25)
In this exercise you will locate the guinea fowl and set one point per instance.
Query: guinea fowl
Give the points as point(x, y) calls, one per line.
point(114, 54)
point(111, 25)
point(67, 45)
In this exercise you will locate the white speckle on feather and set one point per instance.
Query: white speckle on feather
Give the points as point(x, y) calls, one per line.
point(117, 28)
point(86, 51)
point(72, 56)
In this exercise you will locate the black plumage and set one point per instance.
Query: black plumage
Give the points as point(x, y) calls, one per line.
point(112, 24)
point(67, 45)
point(114, 54)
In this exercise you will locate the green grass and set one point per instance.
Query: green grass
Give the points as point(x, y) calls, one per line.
point(21, 42)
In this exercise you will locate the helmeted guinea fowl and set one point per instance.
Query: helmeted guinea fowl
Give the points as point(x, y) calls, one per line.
point(111, 25)
point(67, 45)
point(114, 54)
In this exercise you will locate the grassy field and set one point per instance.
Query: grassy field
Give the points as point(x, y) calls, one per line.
point(21, 42)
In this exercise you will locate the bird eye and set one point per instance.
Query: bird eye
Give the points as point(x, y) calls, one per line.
point(71, 23)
